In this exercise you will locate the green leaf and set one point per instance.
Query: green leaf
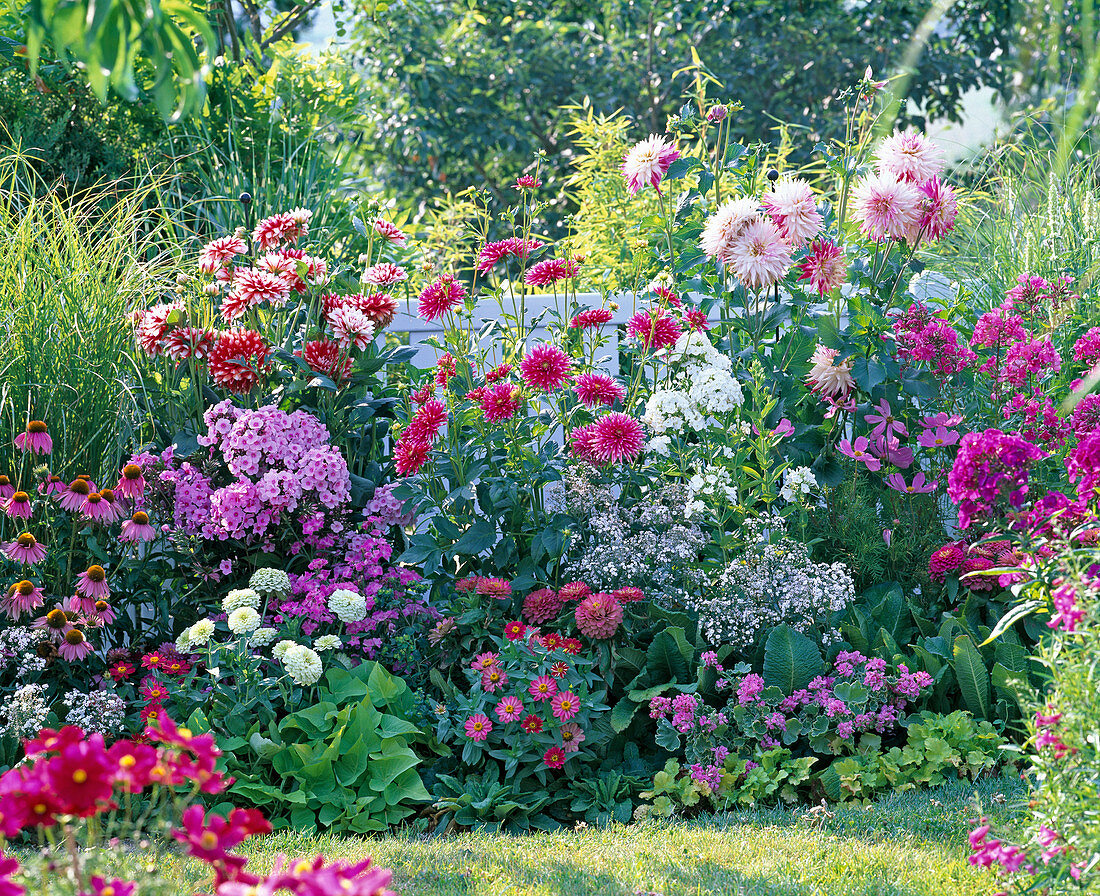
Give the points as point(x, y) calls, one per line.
point(791, 660)
point(972, 676)
point(481, 536)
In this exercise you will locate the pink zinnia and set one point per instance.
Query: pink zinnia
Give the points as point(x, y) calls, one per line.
point(478, 727)
point(599, 616)
point(18, 506)
point(887, 208)
point(443, 296)
point(824, 266)
point(593, 317)
point(598, 389)
point(655, 328)
point(545, 367)
point(384, 274)
point(545, 273)
point(218, 253)
point(509, 709)
point(647, 162)
point(616, 438)
point(35, 440)
point(572, 736)
point(93, 583)
point(543, 688)
point(565, 705)
point(501, 402)
point(25, 549)
point(554, 757)
point(541, 605)
point(390, 232)
point(948, 558)
point(137, 528)
point(760, 256)
point(792, 207)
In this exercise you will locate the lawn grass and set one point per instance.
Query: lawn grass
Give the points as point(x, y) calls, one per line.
point(905, 845)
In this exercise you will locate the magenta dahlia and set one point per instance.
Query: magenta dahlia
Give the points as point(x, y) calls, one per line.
point(545, 367)
point(616, 438)
point(598, 389)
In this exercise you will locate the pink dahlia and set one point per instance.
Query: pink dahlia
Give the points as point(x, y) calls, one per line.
point(478, 726)
point(285, 227)
point(409, 455)
point(580, 443)
point(390, 232)
point(34, 439)
point(443, 296)
point(527, 182)
point(546, 368)
point(510, 709)
point(152, 325)
point(351, 327)
point(760, 256)
point(824, 266)
point(723, 228)
point(565, 705)
point(501, 402)
point(542, 605)
point(938, 210)
point(384, 274)
point(24, 549)
point(598, 389)
point(427, 422)
point(550, 271)
point(599, 616)
point(593, 317)
point(238, 359)
point(218, 253)
point(909, 156)
point(886, 208)
point(828, 376)
point(492, 254)
point(616, 438)
point(380, 307)
point(791, 205)
point(647, 162)
point(655, 328)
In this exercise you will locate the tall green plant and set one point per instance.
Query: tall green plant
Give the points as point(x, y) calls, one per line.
point(71, 268)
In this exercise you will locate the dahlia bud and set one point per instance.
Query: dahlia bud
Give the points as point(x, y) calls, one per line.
point(182, 279)
point(614, 306)
point(211, 289)
point(363, 258)
point(241, 232)
point(717, 114)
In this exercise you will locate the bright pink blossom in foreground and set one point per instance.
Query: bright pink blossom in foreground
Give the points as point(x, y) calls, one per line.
point(598, 389)
point(478, 726)
point(910, 156)
point(1067, 612)
point(24, 549)
point(543, 688)
point(616, 438)
point(501, 402)
point(825, 266)
point(647, 162)
point(35, 439)
point(885, 422)
point(565, 705)
point(546, 368)
point(656, 329)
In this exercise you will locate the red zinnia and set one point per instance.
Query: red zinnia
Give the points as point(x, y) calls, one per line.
point(554, 757)
point(532, 724)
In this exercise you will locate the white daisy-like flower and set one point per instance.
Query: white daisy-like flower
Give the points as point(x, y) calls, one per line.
point(200, 633)
point(327, 642)
point(262, 637)
point(243, 621)
point(280, 650)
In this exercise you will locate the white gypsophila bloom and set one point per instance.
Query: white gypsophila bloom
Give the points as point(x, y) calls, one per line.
point(327, 642)
point(270, 581)
point(347, 605)
point(714, 482)
point(199, 634)
point(244, 621)
point(263, 636)
point(280, 649)
point(303, 665)
point(772, 582)
point(660, 445)
point(798, 484)
point(19, 648)
point(100, 712)
point(24, 713)
point(553, 497)
point(240, 597)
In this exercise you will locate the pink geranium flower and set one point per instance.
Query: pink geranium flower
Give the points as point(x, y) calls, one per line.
point(478, 726)
point(858, 451)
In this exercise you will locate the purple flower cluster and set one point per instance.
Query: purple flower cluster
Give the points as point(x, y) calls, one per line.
point(990, 470)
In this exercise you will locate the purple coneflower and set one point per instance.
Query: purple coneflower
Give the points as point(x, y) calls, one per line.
point(25, 549)
point(35, 439)
point(137, 528)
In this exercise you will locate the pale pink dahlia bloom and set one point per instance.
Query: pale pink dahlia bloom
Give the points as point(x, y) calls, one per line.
point(545, 367)
point(384, 274)
point(760, 257)
point(218, 253)
point(725, 226)
point(599, 616)
point(886, 208)
point(792, 206)
point(909, 156)
point(390, 232)
point(647, 162)
point(351, 326)
point(830, 377)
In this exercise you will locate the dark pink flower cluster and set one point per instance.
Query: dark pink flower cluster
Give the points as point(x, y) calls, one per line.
point(990, 474)
point(922, 337)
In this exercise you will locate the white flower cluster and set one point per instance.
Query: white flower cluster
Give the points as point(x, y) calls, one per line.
point(240, 597)
point(651, 545)
point(198, 635)
point(24, 713)
point(702, 389)
point(773, 582)
point(102, 711)
point(714, 482)
point(270, 581)
point(349, 606)
point(798, 484)
point(303, 664)
point(18, 647)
